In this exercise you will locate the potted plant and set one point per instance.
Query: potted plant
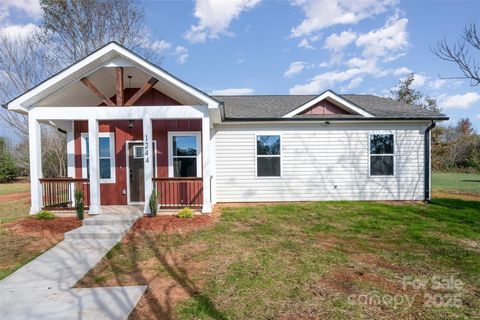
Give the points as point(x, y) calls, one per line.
point(153, 203)
point(79, 205)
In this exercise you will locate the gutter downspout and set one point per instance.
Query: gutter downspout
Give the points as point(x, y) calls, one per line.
point(427, 162)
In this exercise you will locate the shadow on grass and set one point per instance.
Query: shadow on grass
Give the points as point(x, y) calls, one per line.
point(174, 268)
point(457, 203)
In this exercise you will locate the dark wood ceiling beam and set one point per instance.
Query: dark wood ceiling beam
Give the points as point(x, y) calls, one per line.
point(119, 85)
point(147, 86)
point(97, 92)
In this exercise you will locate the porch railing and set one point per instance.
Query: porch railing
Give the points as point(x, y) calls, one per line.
point(58, 193)
point(179, 192)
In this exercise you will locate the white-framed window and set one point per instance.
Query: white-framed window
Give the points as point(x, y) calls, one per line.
point(106, 157)
point(268, 155)
point(138, 152)
point(382, 154)
point(184, 154)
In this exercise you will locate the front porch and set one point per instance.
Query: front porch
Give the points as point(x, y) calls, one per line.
point(128, 160)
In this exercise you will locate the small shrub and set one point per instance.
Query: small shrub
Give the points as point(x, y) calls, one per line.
point(79, 204)
point(45, 215)
point(185, 213)
point(153, 203)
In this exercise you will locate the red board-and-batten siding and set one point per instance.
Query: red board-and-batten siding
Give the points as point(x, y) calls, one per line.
point(324, 107)
point(112, 193)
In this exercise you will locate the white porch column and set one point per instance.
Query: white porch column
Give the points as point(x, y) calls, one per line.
point(207, 206)
point(147, 161)
point(71, 156)
point(70, 151)
point(35, 142)
point(94, 164)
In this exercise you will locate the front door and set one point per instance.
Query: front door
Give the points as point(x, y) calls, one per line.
point(136, 174)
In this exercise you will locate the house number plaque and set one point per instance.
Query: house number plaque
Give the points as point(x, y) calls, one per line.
point(146, 152)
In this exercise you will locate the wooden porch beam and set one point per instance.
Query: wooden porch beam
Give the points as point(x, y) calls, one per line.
point(147, 86)
point(119, 85)
point(97, 92)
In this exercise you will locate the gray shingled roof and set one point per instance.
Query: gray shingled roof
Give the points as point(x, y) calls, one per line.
point(276, 106)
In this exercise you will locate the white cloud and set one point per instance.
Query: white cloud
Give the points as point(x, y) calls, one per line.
point(304, 43)
point(18, 31)
point(321, 14)
point(215, 17)
point(337, 42)
point(29, 7)
point(437, 83)
point(157, 45)
point(325, 81)
point(459, 101)
point(378, 45)
point(295, 67)
point(353, 84)
point(181, 53)
point(418, 81)
point(386, 41)
point(233, 92)
point(401, 71)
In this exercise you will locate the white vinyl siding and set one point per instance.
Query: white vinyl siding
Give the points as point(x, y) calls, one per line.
point(319, 162)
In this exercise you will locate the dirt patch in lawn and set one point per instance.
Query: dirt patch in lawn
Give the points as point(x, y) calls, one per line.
point(173, 223)
point(45, 228)
point(15, 196)
point(370, 259)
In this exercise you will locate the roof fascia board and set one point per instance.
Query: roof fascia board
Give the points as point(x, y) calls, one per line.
point(329, 95)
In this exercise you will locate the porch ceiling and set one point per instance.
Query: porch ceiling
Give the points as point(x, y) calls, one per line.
point(77, 94)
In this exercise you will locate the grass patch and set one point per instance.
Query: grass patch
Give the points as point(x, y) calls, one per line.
point(14, 187)
point(301, 260)
point(459, 182)
point(12, 210)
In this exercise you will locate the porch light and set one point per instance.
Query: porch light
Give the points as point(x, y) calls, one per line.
point(130, 124)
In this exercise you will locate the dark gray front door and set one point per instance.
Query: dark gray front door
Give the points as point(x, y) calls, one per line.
point(135, 162)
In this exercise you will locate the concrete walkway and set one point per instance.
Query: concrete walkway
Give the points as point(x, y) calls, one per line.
point(42, 289)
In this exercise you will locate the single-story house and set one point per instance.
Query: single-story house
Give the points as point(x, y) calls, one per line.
point(132, 127)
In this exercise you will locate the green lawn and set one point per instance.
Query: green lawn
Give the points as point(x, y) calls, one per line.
point(16, 187)
point(305, 261)
point(461, 182)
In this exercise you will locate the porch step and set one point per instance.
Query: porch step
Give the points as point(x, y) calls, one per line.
point(99, 232)
point(110, 220)
point(111, 226)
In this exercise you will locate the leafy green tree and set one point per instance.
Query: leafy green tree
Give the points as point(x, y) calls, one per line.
point(8, 170)
point(405, 93)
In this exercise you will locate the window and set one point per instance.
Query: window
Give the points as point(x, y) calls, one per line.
point(184, 154)
point(382, 155)
point(138, 152)
point(268, 156)
point(106, 157)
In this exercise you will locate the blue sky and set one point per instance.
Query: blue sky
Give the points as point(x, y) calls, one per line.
point(304, 46)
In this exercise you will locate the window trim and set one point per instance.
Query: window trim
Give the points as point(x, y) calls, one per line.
point(198, 136)
point(262, 156)
point(370, 134)
point(110, 135)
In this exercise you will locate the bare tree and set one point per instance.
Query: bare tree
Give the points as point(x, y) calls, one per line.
point(75, 28)
point(459, 53)
point(70, 30)
point(23, 63)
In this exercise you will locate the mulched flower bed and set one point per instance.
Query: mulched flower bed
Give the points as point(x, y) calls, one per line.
point(172, 223)
point(59, 225)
